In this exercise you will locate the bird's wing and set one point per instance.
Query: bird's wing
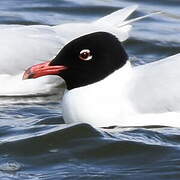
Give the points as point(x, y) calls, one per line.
point(21, 47)
point(155, 87)
point(117, 17)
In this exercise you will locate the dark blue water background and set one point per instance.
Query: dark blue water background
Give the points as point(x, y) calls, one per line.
point(34, 141)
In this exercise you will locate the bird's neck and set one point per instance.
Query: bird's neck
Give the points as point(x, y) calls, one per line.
point(118, 78)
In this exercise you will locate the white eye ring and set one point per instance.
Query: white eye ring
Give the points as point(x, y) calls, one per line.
point(85, 55)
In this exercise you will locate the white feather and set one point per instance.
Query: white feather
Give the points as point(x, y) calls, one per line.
point(157, 85)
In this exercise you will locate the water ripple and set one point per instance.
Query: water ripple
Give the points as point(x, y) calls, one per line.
point(34, 141)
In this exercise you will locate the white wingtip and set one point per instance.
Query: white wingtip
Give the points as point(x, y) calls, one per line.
point(138, 19)
point(117, 16)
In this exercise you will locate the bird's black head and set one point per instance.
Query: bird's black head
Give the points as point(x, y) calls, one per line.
point(88, 59)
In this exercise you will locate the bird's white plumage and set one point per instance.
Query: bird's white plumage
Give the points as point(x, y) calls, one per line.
point(160, 90)
point(23, 46)
point(138, 96)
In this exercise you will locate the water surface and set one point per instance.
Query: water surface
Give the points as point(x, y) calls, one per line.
point(34, 141)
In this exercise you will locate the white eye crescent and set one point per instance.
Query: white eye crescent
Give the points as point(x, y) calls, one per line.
point(85, 55)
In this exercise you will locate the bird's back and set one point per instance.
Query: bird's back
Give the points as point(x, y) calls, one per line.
point(155, 86)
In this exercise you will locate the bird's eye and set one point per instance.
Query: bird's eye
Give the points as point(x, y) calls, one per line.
point(85, 55)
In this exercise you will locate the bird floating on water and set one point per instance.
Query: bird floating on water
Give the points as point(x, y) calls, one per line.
point(103, 89)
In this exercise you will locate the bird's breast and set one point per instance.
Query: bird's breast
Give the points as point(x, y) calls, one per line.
point(97, 105)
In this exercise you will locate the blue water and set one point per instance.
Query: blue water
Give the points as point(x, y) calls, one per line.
point(34, 141)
